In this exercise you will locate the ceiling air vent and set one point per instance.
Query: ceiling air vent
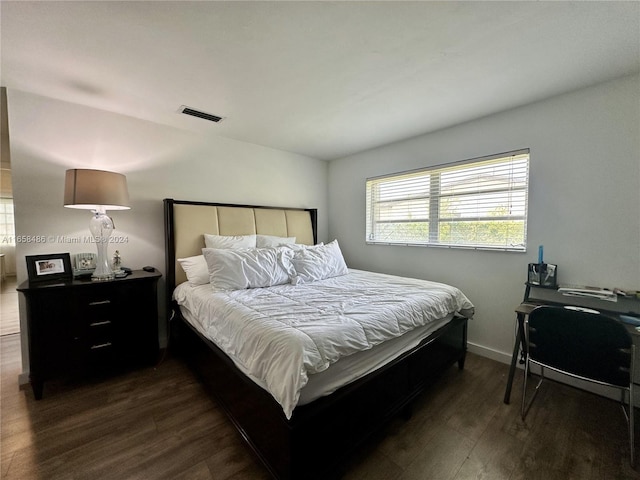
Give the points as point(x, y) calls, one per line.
point(199, 114)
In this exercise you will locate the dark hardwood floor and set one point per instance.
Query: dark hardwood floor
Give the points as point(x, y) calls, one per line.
point(158, 423)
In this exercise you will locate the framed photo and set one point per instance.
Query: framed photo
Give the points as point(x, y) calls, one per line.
point(54, 266)
point(543, 274)
point(86, 261)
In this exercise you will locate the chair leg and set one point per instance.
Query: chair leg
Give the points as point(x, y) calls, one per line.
point(631, 424)
point(525, 406)
point(628, 412)
point(632, 398)
point(523, 412)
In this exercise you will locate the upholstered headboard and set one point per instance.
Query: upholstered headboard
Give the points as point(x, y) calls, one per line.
point(186, 222)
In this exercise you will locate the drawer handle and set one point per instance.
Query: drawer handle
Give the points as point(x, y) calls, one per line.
point(101, 302)
point(97, 324)
point(102, 345)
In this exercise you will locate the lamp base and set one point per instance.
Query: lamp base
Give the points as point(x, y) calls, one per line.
point(101, 227)
point(105, 277)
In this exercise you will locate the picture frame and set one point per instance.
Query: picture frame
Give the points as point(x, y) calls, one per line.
point(542, 274)
point(84, 264)
point(49, 267)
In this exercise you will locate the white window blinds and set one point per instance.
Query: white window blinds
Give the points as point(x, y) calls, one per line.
point(480, 203)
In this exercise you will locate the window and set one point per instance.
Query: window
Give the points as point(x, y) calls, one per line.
point(480, 203)
point(7, 231)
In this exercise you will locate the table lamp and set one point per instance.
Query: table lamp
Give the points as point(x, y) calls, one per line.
point(99, 191)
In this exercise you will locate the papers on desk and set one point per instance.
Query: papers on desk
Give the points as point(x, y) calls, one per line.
point(588, 292)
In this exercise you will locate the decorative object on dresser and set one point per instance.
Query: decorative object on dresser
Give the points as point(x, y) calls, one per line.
point(98, 191)
point(118, 270)
point(83, 327)
point(85, 264)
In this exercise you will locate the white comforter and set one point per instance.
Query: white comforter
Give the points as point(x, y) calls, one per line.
point(282, 334)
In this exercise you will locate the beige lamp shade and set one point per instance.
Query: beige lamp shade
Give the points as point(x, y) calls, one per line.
point(95, 190)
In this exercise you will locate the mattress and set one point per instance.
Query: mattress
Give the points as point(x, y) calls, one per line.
point(286, 338)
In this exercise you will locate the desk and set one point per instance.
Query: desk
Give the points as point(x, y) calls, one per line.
point(529, 303)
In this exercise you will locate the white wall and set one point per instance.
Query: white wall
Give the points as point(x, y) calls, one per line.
point(584, 202)
point(50, 136)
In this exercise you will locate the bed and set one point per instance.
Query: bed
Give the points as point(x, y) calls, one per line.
point(303, 389)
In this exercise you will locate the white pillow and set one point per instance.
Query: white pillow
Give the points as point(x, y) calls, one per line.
point(249, 268)
point(317, 263)
point(229, 241)
point(273, 241)
point(301, 246)
point(196, 269)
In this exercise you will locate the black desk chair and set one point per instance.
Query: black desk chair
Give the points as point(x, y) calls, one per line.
point(582, 344)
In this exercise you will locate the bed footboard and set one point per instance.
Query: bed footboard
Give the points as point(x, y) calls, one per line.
point(317, 439)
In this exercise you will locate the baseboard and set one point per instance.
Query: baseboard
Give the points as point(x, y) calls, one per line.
point(489, 353)
point(23, 379)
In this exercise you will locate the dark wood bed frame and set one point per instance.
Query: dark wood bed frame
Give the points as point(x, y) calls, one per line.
point(319, 436)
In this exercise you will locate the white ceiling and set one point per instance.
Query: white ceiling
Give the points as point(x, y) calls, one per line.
point(324, 79)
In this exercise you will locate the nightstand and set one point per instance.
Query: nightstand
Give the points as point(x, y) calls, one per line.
point(85, 327)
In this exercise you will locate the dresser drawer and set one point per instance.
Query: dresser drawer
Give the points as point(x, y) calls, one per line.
point(97, 306)
point(99, 333)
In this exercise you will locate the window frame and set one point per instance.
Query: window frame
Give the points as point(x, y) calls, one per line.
point(516, 190)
